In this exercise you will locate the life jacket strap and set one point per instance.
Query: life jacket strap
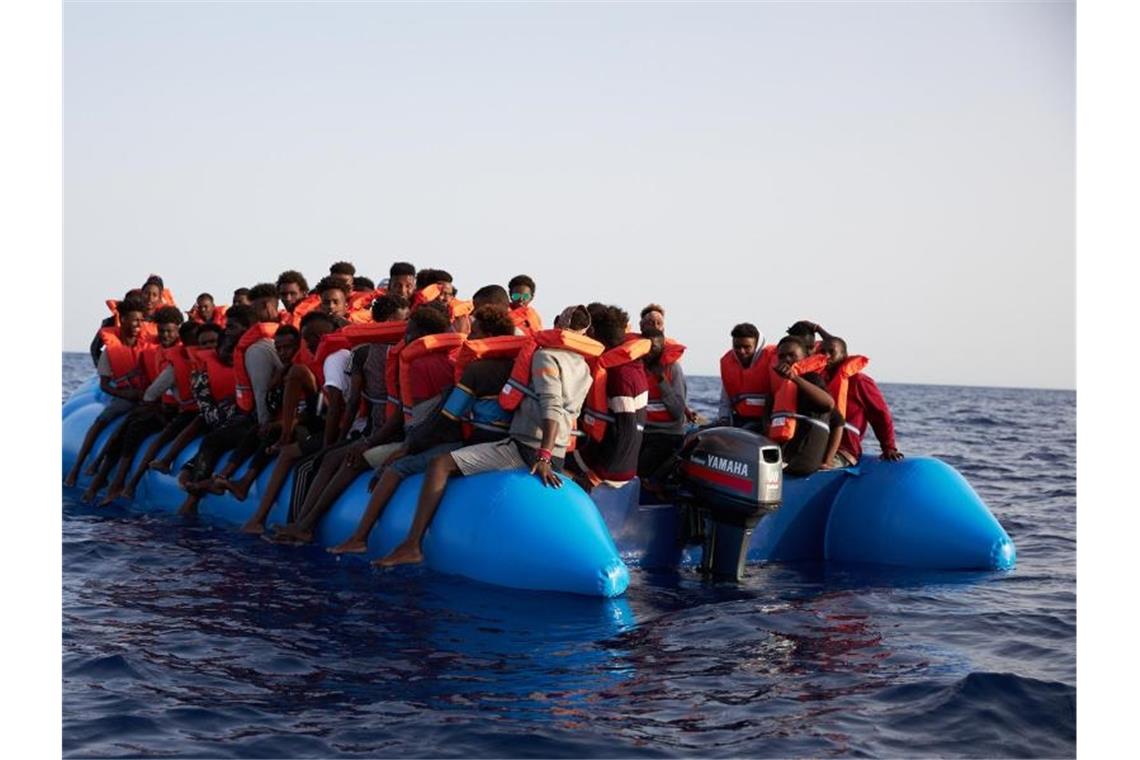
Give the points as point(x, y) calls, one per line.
point(779, 417)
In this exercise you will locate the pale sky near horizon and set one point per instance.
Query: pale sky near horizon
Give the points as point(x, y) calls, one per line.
point(902, 173)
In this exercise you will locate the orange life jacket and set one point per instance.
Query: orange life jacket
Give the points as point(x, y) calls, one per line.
point(177, 357)
point(113, 304)
point(495, 347)
point(655, 411)
point(526, 318)
point(392, 380)
point(837, 385)
point(595, 413)
point(455, 307)
point(518, 385)
point(149, 359)
point(429, 344)
point(783, 425)
point(374, 332)
point(127, 369)
point(362, 300)
point(303, 307)
point(330, 344)
point(222, 378)
point(748, 388)
point(218, 317)
point(244, 390)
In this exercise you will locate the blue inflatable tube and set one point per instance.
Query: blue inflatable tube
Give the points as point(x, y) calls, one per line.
point(916, 513)
point(503, 528)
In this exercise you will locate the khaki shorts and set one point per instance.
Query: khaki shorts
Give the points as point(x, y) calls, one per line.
point(485, 457)
point(376, 455)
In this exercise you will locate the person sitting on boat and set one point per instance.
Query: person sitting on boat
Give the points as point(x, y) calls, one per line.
point(149, 416)
point(804, 419)
point(240, 297)
point(423, 384)
point(205, 310)
point(859, 399)
point(120, 375)
point(745, 385)
point(292, 290)
point(523, 313)
point(344, 271)
point(666, 411)
point(615, 410)
point(255, 362)
point(401, 280)
point(556, 379)
point(469, 415)
point(334, 295)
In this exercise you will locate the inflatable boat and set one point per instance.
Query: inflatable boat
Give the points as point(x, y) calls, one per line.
point(728, 506)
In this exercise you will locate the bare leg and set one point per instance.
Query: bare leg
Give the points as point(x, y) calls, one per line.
point(240, 488)
point(410, 551)
point(182, 441)
point(381, 495)
point(84, 450)
point(318, 502)
point(285, 460)
point(190, 506)
point(148, 456)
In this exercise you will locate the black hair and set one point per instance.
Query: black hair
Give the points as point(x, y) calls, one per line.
point(652, 307)
point(241, 313)
point(609, 325)
point(330, 282)
point(208, 327)
point(188, 333)
point(263, 290)
point(295, 277)
point(746, 330)
point(429, 321)
point(134, 294)
point(401, 269)
point(595, 307)
point(316, 316)
point(494, 319)
point(168, 315)
point(492, 294)
point(363, 283)
point(803, 329)
point(287, 330)
point(130, 304)
point(842, 343)
point(521, 279)
point(797, 340)
point(241, 292)
point(386, 305)
point(154, 279)
point(342, 267)
point(427, 277)
point(203, 295)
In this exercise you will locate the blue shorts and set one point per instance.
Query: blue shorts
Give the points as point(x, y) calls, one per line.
point(117, 407)
point(415, 463)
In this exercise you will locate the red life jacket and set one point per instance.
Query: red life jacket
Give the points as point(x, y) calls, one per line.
point(244, 390)
point(149, 359)
point(222, 377)
point(177, 357)
point(429, 344)
point(783, 425)
point(218, 317)
point(748, 388)
point(330, 344)
point(838, 384)
point(388, 333)
point(526, 318)
point(127, 369)
point(655, 411)
point(595, 413)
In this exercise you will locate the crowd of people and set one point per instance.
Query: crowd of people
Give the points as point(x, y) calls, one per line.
point(404, 377)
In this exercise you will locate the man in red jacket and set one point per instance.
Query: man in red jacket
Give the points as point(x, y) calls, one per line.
point(865, 405)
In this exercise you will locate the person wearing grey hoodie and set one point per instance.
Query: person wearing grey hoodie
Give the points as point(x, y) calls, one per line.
point(539, 434)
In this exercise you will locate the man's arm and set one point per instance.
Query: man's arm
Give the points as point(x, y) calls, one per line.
point(332, 418)
point(260, 364)
point(674, 393)
point(161, 384)
point(724, 408)
point(878, 416)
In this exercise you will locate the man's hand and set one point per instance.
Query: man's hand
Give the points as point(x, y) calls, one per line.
point(545, 472)
point(893, 455)
point(355, 454)
point(784, 370)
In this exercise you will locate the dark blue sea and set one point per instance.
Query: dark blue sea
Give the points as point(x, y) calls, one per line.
point(182, 639)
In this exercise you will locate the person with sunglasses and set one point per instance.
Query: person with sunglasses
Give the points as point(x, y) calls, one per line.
point(522, 313)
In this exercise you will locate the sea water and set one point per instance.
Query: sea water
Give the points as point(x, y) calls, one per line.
point(183, 639)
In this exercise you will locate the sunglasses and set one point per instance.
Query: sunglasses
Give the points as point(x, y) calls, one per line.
point(520, 297)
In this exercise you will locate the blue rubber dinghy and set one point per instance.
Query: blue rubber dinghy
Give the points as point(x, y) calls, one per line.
point(503, 528)
point(916, 513)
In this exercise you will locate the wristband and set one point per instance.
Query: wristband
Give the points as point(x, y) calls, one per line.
point(544, 455)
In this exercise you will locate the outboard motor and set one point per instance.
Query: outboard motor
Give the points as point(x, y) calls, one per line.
point(729, 478)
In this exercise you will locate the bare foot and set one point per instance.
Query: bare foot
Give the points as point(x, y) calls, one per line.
point(401, 555)
point(160, 465)
point(213, 486)
point(189, 507)
point(351, 546)
point(88, 496)
point(91, 469)
point(253, 527)
point(71, 479)
point(129, 493)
